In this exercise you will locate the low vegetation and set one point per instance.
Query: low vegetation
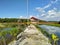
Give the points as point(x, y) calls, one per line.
point(45, 33)
point(9, 35)
point(57, 25)
point(1, 25)
point(15, 20)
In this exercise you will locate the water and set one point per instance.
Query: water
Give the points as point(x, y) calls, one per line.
point(51, 30)
point(3, 29)
point(6, 29)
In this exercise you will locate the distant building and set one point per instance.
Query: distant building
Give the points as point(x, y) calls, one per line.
point(34, 20)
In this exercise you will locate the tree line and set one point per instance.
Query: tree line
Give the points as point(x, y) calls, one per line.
point(8, 20)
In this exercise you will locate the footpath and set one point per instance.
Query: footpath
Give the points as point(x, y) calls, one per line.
point(31, 36)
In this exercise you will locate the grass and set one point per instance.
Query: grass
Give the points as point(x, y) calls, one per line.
point(45, 33)
point(57, 25)
point(10, 35)
point(1, 25)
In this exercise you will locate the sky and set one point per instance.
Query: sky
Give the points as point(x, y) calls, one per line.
point(43, 9)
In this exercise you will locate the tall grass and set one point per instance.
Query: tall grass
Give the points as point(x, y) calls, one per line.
point(6, 36)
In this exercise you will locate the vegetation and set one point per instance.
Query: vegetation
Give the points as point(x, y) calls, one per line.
point(57, 25)
point(48, 35)
point(8, 20)
point(7, 36)
point(45, 33)
point(1, 25)
point(59, 22)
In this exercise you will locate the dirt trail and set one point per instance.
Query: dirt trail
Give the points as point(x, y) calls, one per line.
point(31, 36)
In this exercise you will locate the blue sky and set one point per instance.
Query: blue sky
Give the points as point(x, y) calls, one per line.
point(13, 8)
point(42, 9)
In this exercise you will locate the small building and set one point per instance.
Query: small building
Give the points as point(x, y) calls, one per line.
point(34, 20)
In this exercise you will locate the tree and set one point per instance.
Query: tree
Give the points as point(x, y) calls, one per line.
point(59, 22)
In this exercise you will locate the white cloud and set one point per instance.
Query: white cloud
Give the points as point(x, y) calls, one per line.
point(53, 13)
point(47, 6)
point(40, 9)
point(43, 15)
point(30, 16)
point(55, 8)
point(21, 17)
point(50, 14)
point(54, 1)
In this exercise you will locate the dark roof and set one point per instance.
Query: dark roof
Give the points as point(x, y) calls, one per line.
point(34, 18)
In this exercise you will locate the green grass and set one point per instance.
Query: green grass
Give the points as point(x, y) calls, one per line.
point(13, 32)
point(45, 33)
point(1, 25)
point(57, 25)
point(4, 35)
